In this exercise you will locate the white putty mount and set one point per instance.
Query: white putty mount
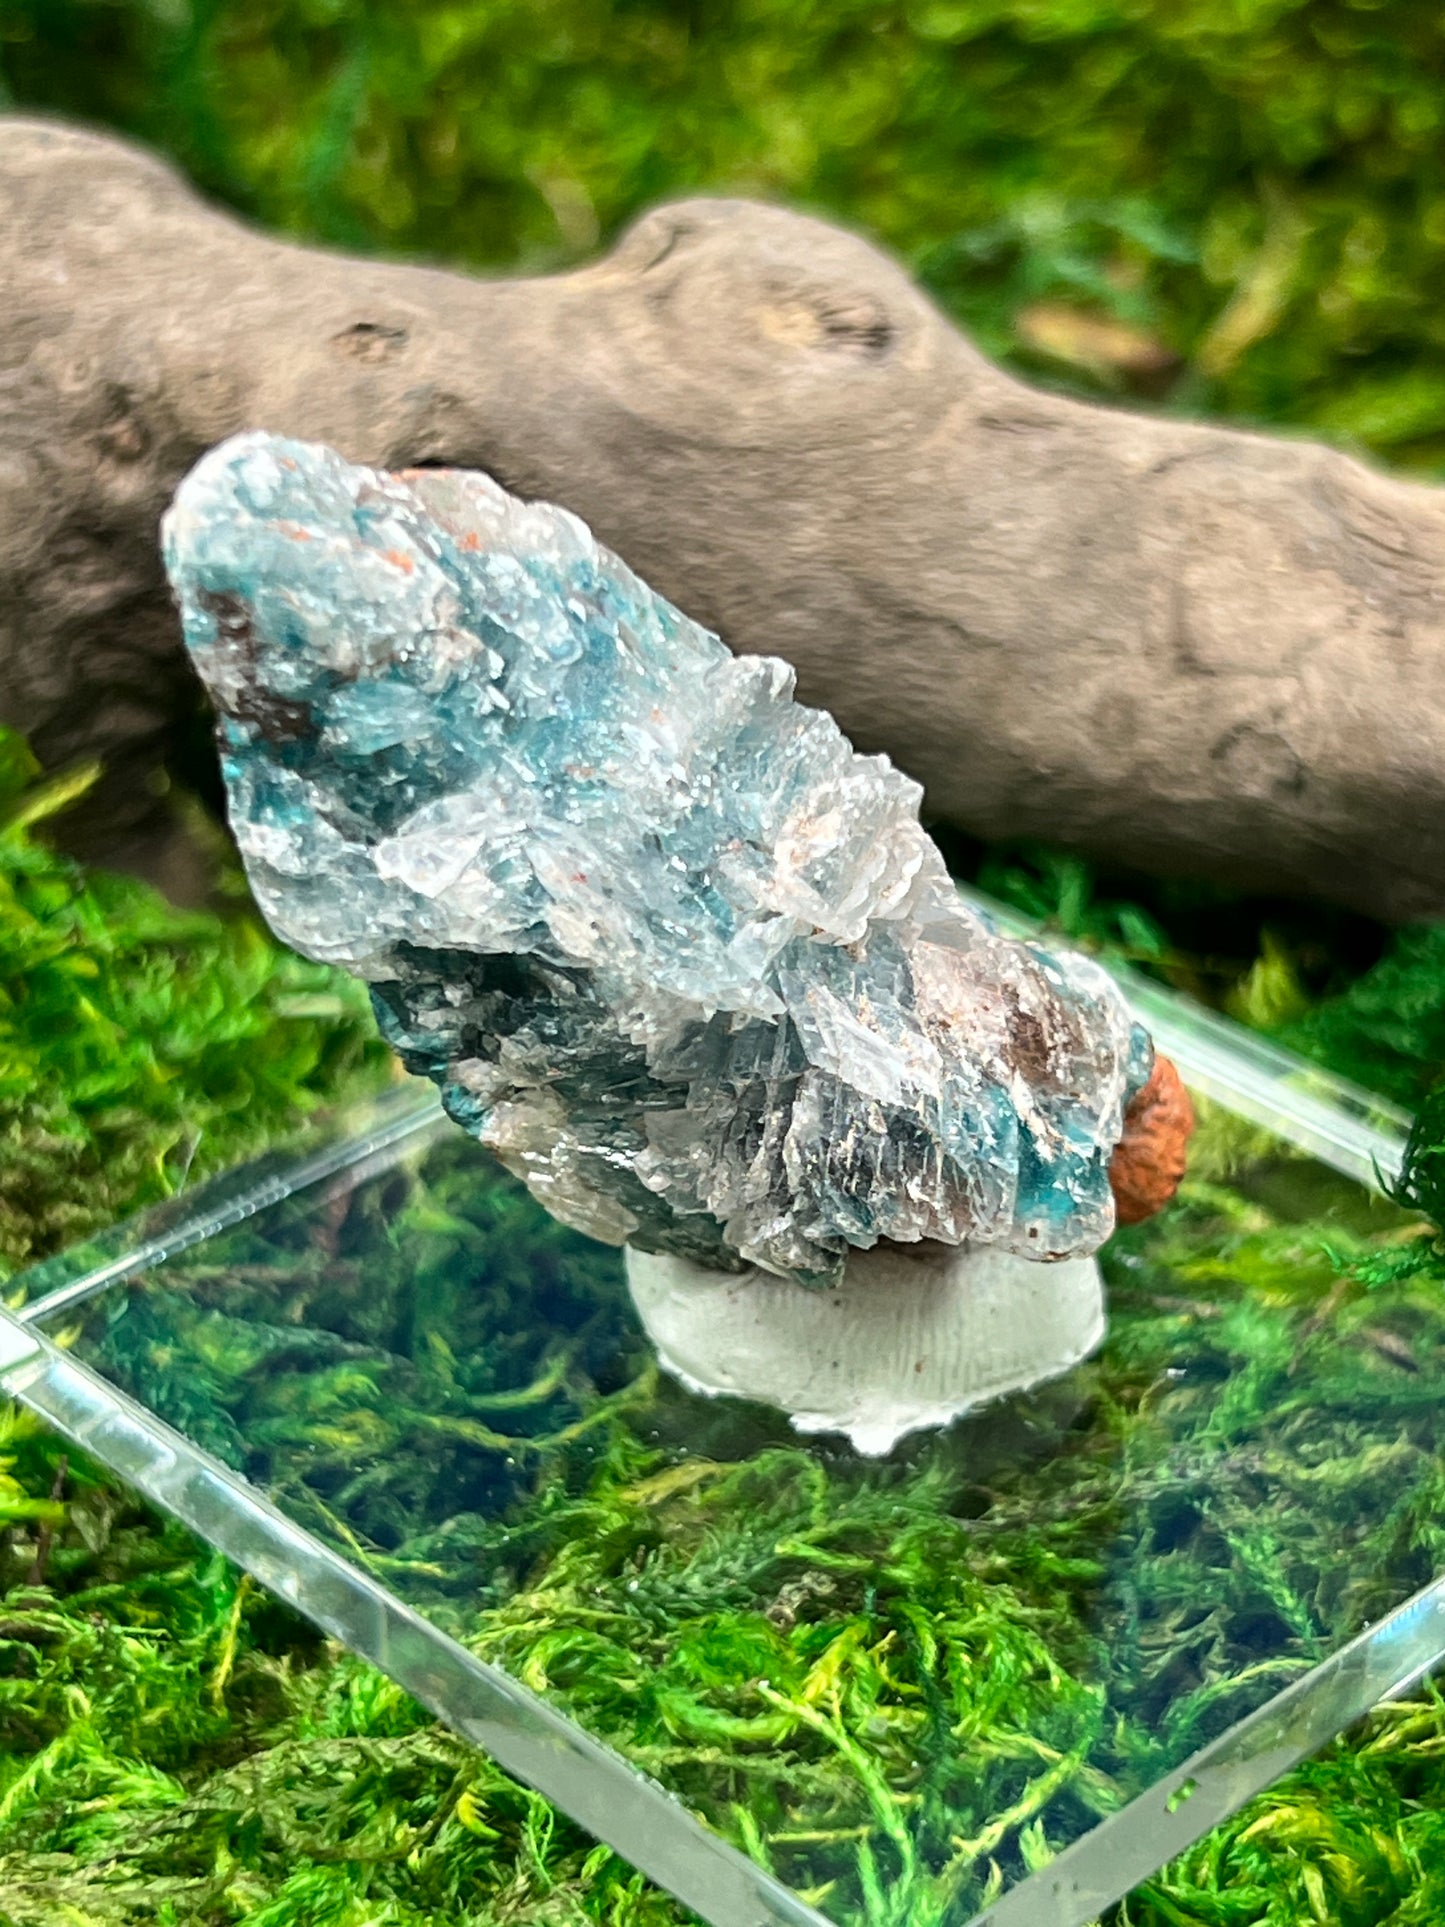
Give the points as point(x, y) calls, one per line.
point(911, 1338)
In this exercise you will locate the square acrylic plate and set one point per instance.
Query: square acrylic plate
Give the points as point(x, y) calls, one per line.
point(1001, 1677)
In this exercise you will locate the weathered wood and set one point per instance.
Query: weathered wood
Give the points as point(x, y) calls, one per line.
point(1170, 644)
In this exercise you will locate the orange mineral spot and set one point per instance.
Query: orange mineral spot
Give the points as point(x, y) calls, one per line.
point(1145, 1170)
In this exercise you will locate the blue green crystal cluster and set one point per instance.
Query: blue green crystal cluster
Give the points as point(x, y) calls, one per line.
point(680, 956)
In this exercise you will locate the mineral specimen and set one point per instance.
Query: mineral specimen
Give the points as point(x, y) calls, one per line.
point(687, 962)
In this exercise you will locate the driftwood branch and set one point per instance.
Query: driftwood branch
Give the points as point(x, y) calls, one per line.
point(1173, 645)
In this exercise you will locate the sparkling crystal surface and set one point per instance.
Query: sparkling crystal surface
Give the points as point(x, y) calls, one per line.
point(686, 961)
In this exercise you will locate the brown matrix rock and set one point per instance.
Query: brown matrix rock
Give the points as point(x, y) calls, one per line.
point(1147, 1168)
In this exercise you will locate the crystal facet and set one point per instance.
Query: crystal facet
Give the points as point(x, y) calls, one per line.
point(685, 960)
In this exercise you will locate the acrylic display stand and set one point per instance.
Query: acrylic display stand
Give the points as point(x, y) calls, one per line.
point(373, 1374)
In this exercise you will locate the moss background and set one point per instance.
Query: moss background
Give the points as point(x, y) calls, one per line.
point(1233, 207)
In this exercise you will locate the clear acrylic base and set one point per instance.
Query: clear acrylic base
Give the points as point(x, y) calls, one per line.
point(1002, 1675)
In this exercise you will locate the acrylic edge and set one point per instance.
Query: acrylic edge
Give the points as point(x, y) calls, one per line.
point(1109, 1861)
point(1346, 1128)
point(594, 1786)
point(395, 1122)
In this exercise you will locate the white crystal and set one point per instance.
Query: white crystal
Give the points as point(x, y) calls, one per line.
point(684, 959)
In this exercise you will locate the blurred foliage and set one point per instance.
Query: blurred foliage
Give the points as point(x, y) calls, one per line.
point(139, 1044)
point(1387, 1030)
point(1229, 205)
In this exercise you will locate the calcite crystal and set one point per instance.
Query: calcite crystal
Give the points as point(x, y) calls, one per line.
point(684, 960)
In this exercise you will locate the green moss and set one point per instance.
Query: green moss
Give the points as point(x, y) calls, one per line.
point(886, 1613)
point(141, 1045)
point(897, 1684)
point(176, 1751)
point(164, 1745)
point(1387, 1031)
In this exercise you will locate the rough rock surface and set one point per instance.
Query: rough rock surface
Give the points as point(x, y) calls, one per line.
point(1148, 1166)
point(684, 959)
point(1169, 644)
